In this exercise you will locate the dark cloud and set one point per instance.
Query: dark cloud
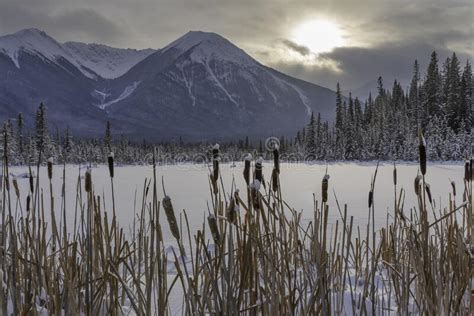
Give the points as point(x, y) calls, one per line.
point(382, 37)
point(301, 49)
point(72, 24)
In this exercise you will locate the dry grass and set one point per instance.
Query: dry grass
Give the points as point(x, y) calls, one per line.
point(265, 260)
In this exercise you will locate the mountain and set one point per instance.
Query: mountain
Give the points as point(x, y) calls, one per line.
point(107, 62)
point(200, 86)
point(92, 60)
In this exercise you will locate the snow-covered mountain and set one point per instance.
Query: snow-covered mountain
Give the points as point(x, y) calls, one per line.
point(91, 59)
point(200, 86)
point(108, 62)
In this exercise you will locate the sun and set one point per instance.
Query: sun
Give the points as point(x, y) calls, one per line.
point(318, 35)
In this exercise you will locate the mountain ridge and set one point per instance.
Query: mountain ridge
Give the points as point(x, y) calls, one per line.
point(199, 86)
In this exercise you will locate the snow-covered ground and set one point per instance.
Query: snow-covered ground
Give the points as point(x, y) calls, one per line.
point(188, 187)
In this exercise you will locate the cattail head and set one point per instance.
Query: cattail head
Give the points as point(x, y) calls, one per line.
point(169, 211)
point(215, 162)
point(50, 168)
point(259, 169)
point(15, 186)
point(422, 150)
point(468, 170)
point(215, 151)
point(275, 180)
point(28, 202)
point(110, 160)
point(254, 188)
point(88, 180)
point(371, 198)
point(276, 158)
point(394, 174)
point(247, 160)
point(31, 178)
point(211, 219)
point(215, 188)
point(324, 188)
point(232, 211)
point(453, 185)
point(417, 184)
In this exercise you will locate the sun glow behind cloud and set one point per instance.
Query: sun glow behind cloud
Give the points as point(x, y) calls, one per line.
point(318, 35)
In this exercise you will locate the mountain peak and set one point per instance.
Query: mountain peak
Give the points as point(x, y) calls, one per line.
point(32, 40)
point(31, 32)
point(204, 46)
point(193, 38)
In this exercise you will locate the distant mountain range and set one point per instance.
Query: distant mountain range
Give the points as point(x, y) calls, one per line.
point(199, 87)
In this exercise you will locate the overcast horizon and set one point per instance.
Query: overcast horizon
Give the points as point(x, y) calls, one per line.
point(319, 41)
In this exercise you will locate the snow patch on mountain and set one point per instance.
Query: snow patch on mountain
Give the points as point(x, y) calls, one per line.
point(125, 94)
point(108, 62)
point(304, 99)
point(219, 84)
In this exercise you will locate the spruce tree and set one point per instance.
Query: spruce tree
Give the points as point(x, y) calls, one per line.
point(41, 130)
point(431, 91)
point(310, 145)
point(108, 137)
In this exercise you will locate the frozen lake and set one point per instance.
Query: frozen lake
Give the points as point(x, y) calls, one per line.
point(188, 187)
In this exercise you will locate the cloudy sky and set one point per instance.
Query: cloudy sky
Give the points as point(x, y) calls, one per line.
point(322, 41)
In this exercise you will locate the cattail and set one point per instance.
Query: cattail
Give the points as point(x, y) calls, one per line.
point(468, 170)
point(28, 201)
point(254, 188)
point(324, 188)
point(50, 168)
point(15, 186)
point(169, 211)
point(275, 180)
point(110, 160)
point(259, 170)
point(428, 192)
point(471, 167)
point(88, 180)
point(453, 185)
point(422, 148)
point(31, 182)
point(236, 197)
point(215, 188)
point(394, 174)
point(213, 227)
point(371, 198)
point(215, 162)
point(276, 158)
point(232, 210)
point(247, 160)
point(417, 184)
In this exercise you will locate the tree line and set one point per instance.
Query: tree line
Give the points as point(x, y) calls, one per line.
point(386, 126)
point(383, 127)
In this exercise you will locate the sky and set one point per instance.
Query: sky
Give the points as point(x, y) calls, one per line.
point(321, 41)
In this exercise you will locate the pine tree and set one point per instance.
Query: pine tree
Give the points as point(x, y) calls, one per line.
point(108, 137)
point(465, 104)
point(414, 96)
point(452, 92)
point(310, 145)
point(431, 98)
point(41, 129)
